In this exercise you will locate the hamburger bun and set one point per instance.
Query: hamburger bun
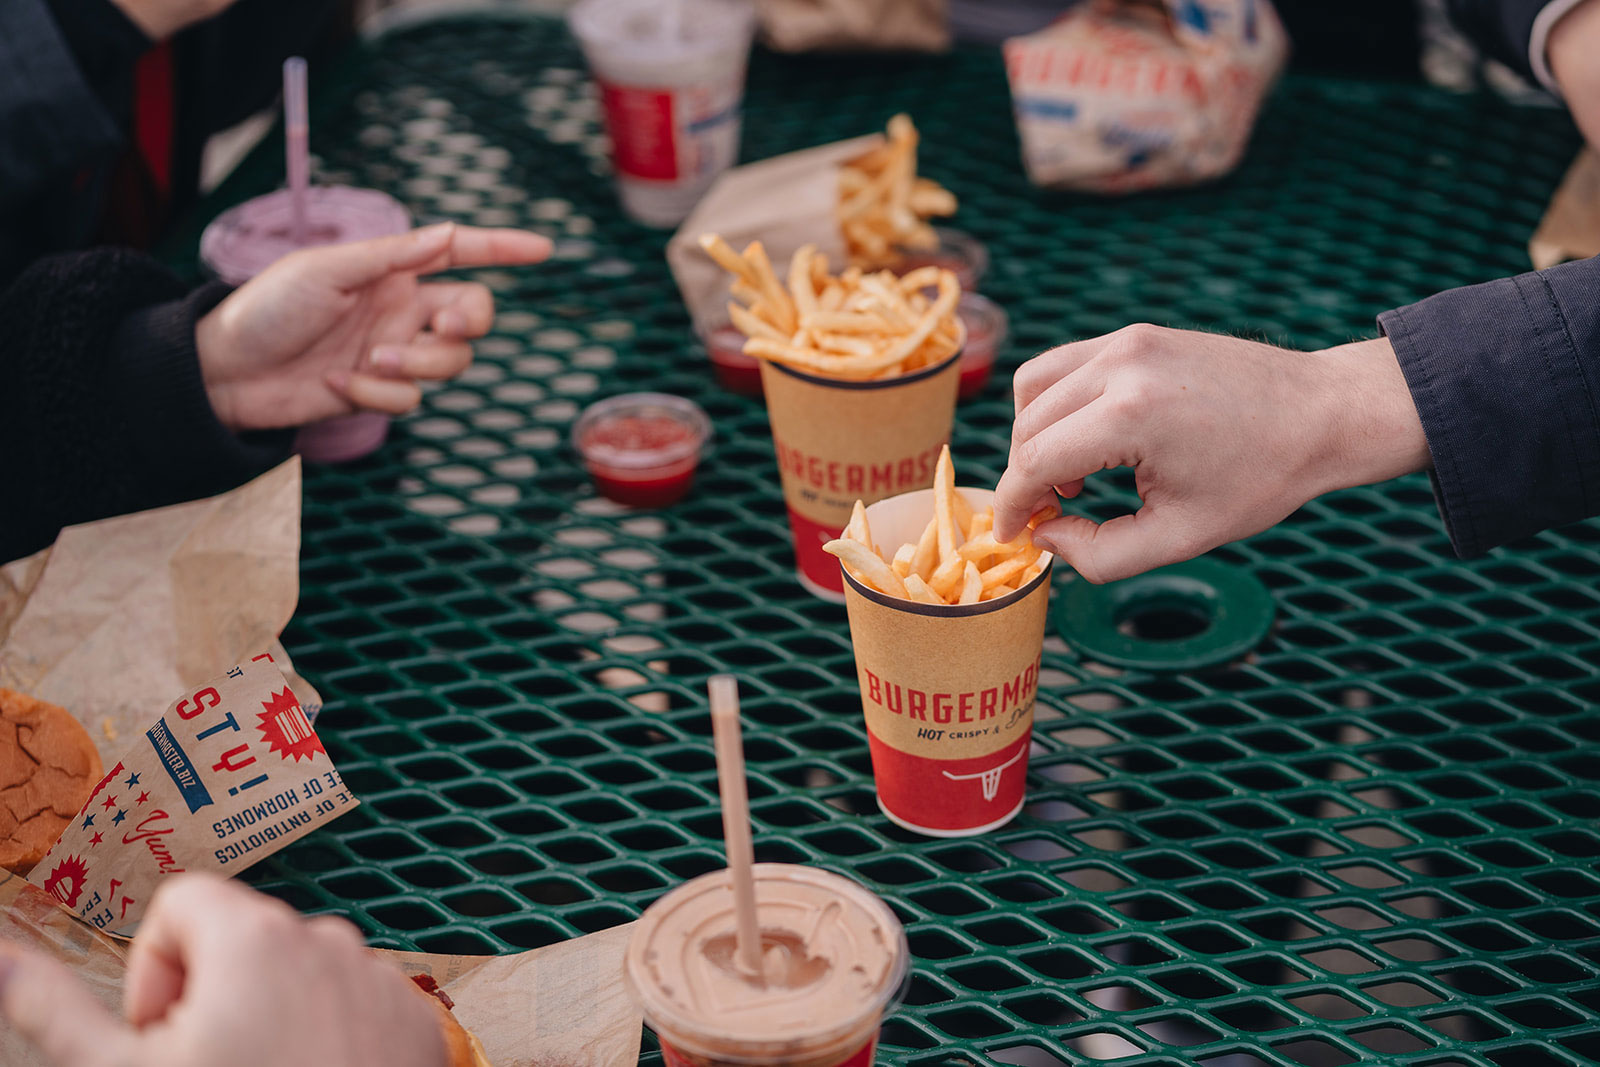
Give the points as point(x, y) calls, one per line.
point(462, 1046)
point(48, 767)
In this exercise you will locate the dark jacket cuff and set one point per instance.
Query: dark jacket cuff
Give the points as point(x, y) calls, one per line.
point(1503, 376)
point(155, 369)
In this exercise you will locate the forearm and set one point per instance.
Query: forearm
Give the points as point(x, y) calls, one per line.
point(1573, 52)
point(110, 413)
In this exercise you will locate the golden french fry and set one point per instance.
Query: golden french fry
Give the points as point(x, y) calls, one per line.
point(996, 593)
point(856, 529)
point(971, 584)
point(751, 325)
point(868, 566)
point(946, 580)
point(917, 280)
point(926, 556)
point(980, 522)
point(726, 257)
point(958, 504)
point(917, 590)
point(1007, 570)
point(901, 564)
point(944, 487)
point(801, 285)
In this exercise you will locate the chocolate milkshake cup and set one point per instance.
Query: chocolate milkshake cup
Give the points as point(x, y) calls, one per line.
point(839, 441)
point(947, 689)
point(834, 959)
point(245, 240)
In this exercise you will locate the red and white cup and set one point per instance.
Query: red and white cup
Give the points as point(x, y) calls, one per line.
point(671, 81)
point(948, 690)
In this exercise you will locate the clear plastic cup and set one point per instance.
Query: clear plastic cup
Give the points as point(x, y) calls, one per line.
point(987, 325)
point(958, 252)
point(834, 963)
point(642, 449)
point(735, 371)
point(245, 240)
point(671, 80)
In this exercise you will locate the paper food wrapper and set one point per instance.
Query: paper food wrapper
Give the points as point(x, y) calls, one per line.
point(1122, 95)
point(1570, 228)
point(232, 773)
point(119, 614)
point(559, 1006)
point(855, 25)
point(947, 690)
point(783, 202)
point(842, 441)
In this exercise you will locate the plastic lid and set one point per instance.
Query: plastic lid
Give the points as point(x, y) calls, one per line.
point(987, 326)
point(642, 444)
point(656, 30)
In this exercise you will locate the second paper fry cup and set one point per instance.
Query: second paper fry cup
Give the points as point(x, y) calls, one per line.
point(948, 690)
point(841, 441)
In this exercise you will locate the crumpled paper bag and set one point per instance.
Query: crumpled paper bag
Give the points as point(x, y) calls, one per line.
point(1570, 228)
point(1117, 96)
point(855, 25)
point(784, 202)
point(120, 614)
point(559, 1006)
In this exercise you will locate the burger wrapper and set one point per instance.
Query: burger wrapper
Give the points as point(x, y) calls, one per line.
point(839, 441)
point(231, 773)
point(948, 691)
point(855, 25)
point(783, 202)
point(119, 614)
point(1570, 228)
point(552, 1007)
point(1117, 96)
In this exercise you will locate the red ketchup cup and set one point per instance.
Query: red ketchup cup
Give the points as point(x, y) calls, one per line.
point(958, 252)
point(735, 371)
point(642, 448)
point(987, 328)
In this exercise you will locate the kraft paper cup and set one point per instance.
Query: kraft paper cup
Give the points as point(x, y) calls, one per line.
point(948, 690)
point(839, 441)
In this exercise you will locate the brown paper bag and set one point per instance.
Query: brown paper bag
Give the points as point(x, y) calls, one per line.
point(231, 773)
point(855, 25)
point(120, 614)
point(784, 202)
point(1122, 95)
point(1570, 228)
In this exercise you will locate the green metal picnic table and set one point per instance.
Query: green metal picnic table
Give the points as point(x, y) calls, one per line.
point(1369, 838)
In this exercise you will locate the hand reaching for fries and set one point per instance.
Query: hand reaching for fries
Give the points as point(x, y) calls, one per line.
point(957, 560)
point(857, 326)
point(884, 206)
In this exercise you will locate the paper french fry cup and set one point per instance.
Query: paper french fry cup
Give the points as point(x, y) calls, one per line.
point(947, 690)
point(784, 202)
point(841, 441)
point(231, 773)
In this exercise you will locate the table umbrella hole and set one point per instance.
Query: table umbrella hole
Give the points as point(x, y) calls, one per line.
point(1164, 619)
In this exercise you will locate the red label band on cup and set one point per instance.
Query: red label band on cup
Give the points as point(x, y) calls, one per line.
point(861, 1057)
point(957, 794)
point(817, 566)
point(643, 143)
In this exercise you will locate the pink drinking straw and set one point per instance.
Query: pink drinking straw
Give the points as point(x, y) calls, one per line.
point(297, 142)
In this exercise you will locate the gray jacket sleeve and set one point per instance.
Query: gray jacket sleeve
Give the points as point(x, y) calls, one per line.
point(51, 122)
point(1506, 378)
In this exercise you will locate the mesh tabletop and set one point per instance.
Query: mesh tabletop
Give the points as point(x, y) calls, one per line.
point(1371, 839)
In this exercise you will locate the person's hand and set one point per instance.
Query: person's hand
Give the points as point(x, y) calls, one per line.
point(1226, 436)
point(160, 19)
point(220, 974)
point(343, 328)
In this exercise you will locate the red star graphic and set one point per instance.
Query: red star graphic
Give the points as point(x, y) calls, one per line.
point(143, 797)
point(95, 840)
point(109, 803)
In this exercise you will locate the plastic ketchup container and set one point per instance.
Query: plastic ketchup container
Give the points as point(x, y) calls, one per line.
point(958, 252)
point(735, 371)
point(642, 448)
point(987, 328)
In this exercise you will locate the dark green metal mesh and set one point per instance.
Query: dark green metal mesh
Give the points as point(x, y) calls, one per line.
point(1371, 840)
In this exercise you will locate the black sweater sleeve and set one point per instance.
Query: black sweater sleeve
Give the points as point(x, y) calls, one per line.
point(1512, 31)
point(1506, 378)
point(107, 409)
